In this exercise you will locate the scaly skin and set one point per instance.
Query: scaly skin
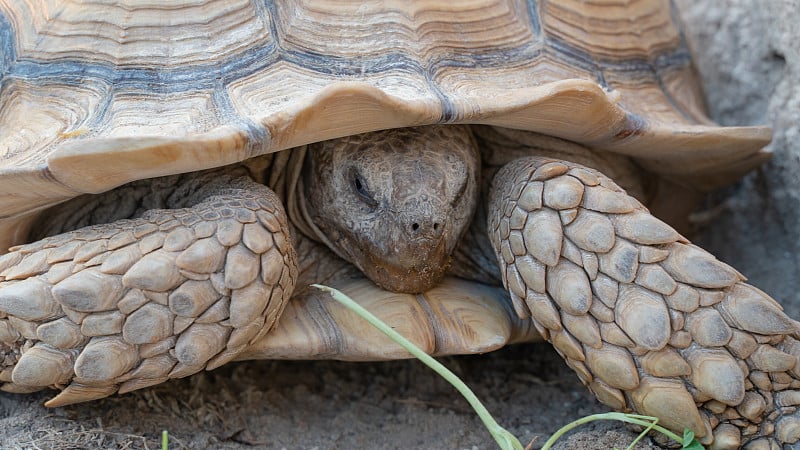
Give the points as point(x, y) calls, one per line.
point(120, 306)
point(649, 322)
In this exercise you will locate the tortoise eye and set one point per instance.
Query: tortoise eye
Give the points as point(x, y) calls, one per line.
point(361, 188)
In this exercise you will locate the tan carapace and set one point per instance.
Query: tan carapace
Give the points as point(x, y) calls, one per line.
point(173, 176)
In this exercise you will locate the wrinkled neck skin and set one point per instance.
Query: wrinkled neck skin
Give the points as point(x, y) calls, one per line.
point(393, 203)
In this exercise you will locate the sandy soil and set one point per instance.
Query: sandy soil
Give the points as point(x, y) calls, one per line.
point(331, 405)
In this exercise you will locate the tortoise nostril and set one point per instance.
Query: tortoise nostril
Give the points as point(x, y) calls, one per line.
point(424, 228)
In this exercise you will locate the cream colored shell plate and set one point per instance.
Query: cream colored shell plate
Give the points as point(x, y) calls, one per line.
point(457, 317)
point(95, 94)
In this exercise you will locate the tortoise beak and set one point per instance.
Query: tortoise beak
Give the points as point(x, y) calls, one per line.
point(411, 265)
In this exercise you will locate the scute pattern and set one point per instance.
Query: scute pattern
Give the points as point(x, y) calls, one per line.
point(47, 30)
point(269, 65)
point(686, 333)
point(127, 305)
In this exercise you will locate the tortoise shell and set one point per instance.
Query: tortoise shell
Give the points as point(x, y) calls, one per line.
point(94, 95)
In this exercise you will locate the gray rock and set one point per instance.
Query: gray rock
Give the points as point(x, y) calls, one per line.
point(748, 57)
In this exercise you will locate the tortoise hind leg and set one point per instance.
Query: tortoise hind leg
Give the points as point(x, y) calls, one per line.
point(649, 322)
point(124, 305)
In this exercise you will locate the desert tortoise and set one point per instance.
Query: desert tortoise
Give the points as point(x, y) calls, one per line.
point(172, 119)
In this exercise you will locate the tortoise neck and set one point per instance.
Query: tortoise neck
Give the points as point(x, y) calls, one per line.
point(286, 180)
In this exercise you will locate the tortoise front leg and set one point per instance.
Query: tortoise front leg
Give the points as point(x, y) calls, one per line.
point(649, 322)
point(120, 306)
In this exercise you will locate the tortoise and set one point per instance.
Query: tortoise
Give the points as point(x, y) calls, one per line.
point(174, 177)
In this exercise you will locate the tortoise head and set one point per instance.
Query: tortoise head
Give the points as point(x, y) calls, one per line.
point(395, 203)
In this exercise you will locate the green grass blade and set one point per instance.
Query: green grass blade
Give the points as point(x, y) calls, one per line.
point(503, 437)
point(646, 421)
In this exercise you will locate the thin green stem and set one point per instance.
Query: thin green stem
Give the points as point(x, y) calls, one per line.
point(503, 437)
point(164, 440)
point(642, 434)
point(645, 421)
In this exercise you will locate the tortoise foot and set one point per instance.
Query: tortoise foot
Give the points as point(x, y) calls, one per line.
point(649, 322)
point(120, 306)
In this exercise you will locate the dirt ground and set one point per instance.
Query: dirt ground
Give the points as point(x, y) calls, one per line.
point(321, 405)
point(750, 69)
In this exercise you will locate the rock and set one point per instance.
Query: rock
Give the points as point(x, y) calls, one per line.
point(749, 60)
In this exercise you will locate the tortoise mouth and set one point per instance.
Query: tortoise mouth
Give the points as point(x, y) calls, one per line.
point(410, 268)
point(412, 279)
point(407, 280)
